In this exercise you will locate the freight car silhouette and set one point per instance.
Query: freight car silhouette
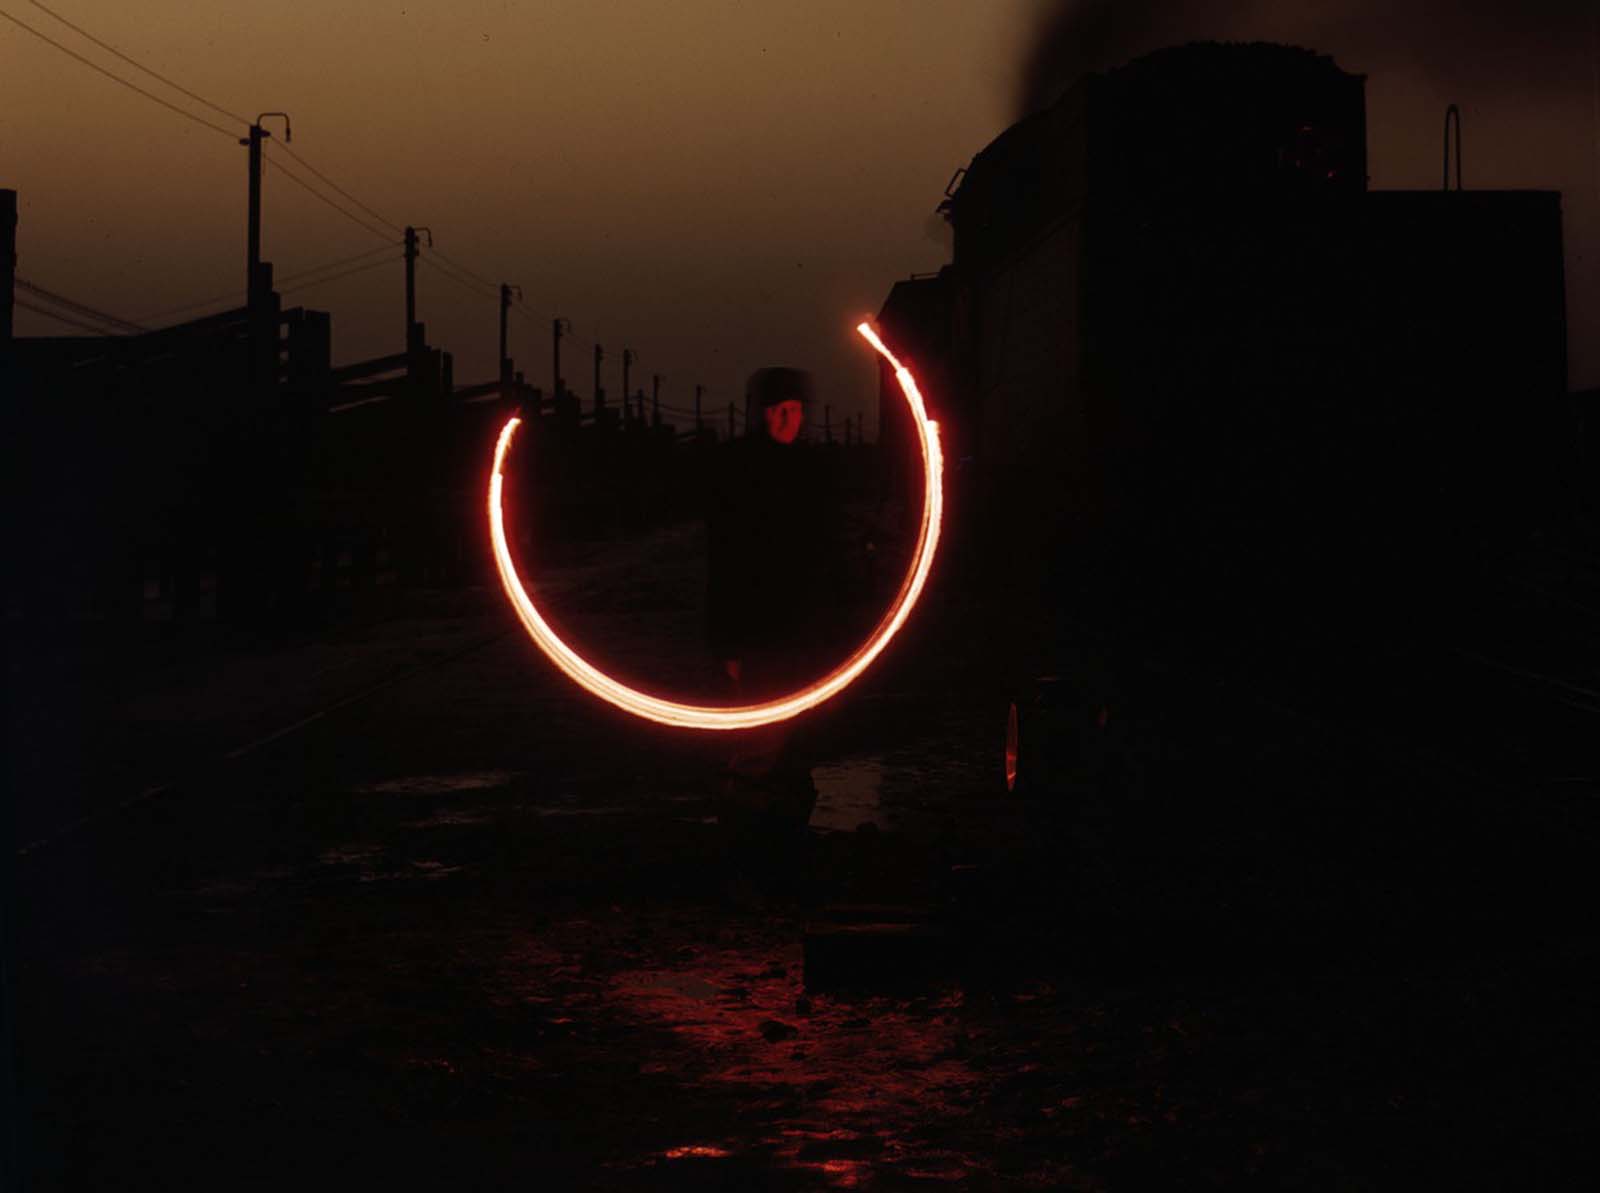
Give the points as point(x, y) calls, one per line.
point(1219, 410)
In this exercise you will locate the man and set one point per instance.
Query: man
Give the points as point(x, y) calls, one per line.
point(776, 567)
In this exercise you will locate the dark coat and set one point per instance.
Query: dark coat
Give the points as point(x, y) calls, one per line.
point(776, 573)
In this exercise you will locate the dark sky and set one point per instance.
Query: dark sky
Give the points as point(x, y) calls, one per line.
point(718, 185)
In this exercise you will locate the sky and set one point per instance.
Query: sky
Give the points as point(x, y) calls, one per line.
point(717, 185)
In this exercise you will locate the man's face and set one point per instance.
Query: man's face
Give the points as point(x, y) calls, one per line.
point(784, 420)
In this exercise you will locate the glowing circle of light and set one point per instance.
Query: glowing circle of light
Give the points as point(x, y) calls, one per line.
point(745, 716)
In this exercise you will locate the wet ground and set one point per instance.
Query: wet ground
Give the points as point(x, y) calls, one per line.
point(400, 908)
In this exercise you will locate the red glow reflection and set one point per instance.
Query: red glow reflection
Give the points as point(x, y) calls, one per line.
point(1012, 747)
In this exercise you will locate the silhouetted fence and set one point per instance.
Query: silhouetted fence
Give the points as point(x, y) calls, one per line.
point(152, 479)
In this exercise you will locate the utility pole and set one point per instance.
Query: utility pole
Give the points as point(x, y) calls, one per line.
point(627, 364)
point(827, 425)
point(599, 394)
point(252, 273)
point(558, 328)
point(655, 400)
point(505, 310)
point(8, 262)
point(412, 339)
point(697, 391)
point(1452, 113)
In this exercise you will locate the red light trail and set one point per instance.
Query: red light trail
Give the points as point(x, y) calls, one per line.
point(746, 716)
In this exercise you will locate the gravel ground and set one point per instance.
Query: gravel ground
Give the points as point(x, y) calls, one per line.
point(466, 929)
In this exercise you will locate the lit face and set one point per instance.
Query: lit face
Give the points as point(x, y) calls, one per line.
point(784, 420)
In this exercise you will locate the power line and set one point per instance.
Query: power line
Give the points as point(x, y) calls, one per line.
point(348, 214)
point(215, 108)
point(524, 312)
point(495, 286)
point(197, 119)
point(486, 288)
point(232, 136)
point(72, 305)
point(138, 65)
point(67, 319)
point(387, 222)
point(465, 285)
point(492, 290)
point(333, 277)
point(517, 306)
point(469, 287)
point(235, 295)
point(230, 296)
point(302, 273)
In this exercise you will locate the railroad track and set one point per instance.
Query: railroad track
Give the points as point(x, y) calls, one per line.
point(195, 768)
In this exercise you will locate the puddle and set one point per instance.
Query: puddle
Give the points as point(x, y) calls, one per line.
point(449, 819)
point(686, 985)
point(431, 869)
point(349, 855)
point(854, 1080)
point(374, 867)
point(840, 1174)
point(827, 1091)
point(439, 784)
point(849, 794)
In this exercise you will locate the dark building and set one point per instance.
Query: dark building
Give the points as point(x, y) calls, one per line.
point(155, 446)
point(1188, 351)
point(920, 320)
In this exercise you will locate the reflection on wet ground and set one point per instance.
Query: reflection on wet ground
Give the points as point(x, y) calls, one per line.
point(849, 795)
point(768, 1078)
point(426, 788)
point(372, 863)
point(438, 784)
point(848, 1087)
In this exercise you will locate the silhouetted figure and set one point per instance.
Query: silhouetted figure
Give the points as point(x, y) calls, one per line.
point(774, 588)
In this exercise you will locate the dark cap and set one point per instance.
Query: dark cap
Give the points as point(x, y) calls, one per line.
point(768, 387)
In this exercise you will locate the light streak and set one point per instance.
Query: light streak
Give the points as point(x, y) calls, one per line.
point(743, 716)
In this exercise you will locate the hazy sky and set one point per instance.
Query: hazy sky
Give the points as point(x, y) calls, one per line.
point(717, 185)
